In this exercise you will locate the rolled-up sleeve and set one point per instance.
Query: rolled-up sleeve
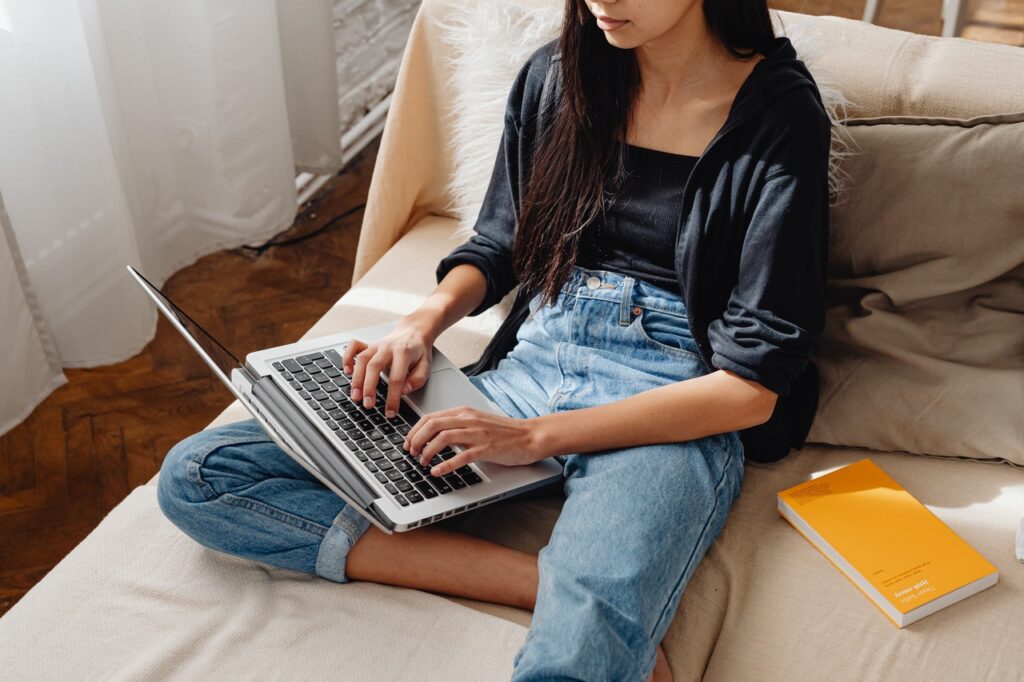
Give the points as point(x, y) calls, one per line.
point(490, 247)
point(776, 311)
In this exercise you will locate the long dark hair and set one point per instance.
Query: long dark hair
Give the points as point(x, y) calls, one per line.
point(576, 164)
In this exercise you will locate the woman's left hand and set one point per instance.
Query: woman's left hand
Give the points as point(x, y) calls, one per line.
point(483, 435)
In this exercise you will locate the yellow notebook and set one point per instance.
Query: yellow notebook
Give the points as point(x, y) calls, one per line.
point(892, 547)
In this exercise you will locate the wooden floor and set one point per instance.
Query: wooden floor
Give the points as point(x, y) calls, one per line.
point(106, 431)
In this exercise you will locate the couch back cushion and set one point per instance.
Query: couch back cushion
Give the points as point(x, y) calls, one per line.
point(924, 343)
point(885, 72)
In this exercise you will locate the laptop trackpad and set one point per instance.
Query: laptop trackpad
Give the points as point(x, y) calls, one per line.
point(448, 388)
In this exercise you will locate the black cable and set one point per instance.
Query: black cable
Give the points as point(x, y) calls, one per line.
point(259, 250)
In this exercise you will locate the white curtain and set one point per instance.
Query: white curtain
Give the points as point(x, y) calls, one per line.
point(143, 132)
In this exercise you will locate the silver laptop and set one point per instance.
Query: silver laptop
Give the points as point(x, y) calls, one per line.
point(300, 396)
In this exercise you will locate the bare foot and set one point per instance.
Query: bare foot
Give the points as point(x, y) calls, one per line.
point(662, 672)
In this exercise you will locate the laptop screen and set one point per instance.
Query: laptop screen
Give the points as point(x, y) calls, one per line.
point(214, 350)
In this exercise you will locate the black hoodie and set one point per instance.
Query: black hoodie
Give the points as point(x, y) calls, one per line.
point(751, 244)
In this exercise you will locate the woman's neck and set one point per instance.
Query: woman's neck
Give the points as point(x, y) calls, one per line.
point(684, 63)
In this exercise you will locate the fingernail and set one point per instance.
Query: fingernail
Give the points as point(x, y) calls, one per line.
point(368, 402)
point(357, 394)
point(436, 471)
point(408, 387)
point(390, 414)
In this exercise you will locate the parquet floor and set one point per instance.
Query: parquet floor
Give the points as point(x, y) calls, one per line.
point(106, 431)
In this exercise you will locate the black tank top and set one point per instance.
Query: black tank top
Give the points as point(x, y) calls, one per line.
point(638, 235)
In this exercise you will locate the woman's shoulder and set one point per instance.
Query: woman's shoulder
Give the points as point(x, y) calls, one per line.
point(542, 63)
point(794, 129)
point(798, 108)
point(545, 54)
point(531, 79)
point(786, 90)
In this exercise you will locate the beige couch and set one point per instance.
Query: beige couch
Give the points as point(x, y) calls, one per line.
point(137, 599)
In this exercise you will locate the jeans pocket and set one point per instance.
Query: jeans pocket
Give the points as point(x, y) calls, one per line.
point(667, 332)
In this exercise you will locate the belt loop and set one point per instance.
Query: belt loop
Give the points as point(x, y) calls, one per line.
point(626, 304)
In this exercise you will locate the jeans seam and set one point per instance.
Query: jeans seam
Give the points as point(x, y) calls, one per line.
point(561, 376)
point(689, 561)
point(348, 527)
point(665, 311)
point(658, 345)
point(274, 513)
point(349, 534)
point(198, 460)
point(559, 346)
point(571, 331)
point(585, 294)
point(626, 302)
point(617, 299)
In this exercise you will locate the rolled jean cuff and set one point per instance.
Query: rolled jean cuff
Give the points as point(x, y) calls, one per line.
point(346, 529)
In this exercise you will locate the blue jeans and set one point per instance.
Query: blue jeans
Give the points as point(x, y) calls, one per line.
point(635, 522)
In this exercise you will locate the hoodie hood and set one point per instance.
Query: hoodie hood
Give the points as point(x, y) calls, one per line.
point(780, 71)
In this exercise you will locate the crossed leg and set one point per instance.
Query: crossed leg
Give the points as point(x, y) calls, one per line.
point(634, 526)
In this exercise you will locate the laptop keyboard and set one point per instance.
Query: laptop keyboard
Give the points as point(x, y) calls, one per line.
point(376, 440)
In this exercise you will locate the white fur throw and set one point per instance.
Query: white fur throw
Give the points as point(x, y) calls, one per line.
point(490, 41)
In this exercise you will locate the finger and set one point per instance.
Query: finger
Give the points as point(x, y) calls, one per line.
point(379, 362)
point(461, 421)
point(396, 381)
point(461, 412)
point(461, 459)
point(427, 428)
point(359, 371)
point(444, 440)
point(419, 374)
point(429, 431)
point(353, 347)
point(420, 422)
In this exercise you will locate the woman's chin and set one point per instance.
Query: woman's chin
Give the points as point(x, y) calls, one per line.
point(616, 39)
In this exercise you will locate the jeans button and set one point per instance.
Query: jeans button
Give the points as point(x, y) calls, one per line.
point(593, 282)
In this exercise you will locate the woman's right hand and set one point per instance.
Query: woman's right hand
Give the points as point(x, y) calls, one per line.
point(405, 354)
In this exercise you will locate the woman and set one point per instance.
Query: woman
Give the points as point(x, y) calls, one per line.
point(668, 236)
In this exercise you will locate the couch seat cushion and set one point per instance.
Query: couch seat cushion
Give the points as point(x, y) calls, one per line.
point(765, 605)
point(790, 614)
point(140, 600)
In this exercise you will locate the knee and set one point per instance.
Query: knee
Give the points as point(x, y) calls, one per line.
point(194, 473)
point(584, 627)
point(179, 486)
